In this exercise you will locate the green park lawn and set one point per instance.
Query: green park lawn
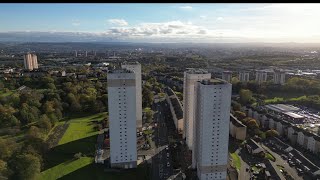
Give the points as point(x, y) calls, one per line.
point(81, 128)
point(236, 160)
point(65, 168)
point(81, 136)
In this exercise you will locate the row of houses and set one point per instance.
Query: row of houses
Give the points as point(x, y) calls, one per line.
point(237, 129)
point(170, 81)
point(297, 136)
point(175, 108)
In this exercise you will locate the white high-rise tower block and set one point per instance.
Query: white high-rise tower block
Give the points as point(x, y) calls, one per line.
point(211, 132)
point(136, 68)
point(190, 78)
point(122, 118)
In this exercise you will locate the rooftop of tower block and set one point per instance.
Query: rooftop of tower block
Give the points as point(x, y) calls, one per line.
point(120, 71)
point(196, 71)
point(130, 63)
point(215, 81)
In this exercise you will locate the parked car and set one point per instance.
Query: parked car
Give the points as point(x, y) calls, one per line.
point(168, 164)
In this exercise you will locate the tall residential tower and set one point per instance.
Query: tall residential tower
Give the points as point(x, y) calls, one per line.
point(122, 118)
point(30, 61)
point(136, 68)
point(190, 78)
point(211, 132)
point(244, 76)
point(279, 77)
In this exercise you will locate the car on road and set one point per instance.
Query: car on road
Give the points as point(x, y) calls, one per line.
point(167, 147)
point(168, 155)
point(168, 164)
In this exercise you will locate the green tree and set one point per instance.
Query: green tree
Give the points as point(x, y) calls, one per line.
point(245, 96)
point(34, 132)
point(272, 133)
point(45, 123)
point(240, 115)
point(7, 148)
point(252, 124)
point(25, 167)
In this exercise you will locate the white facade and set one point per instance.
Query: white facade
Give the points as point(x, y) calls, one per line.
point(227, 76)
point(279, 128)
point(136, 68)
point(261, 76)
point(243, 76)
point(122, 118)
point(30, 61)
point(279, 77)
point(212, 115)
point(311, 144)
point(300, 138)
point(190, 78)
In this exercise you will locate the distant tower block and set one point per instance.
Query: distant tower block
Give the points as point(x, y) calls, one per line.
point(86, 53)
point(136, 68)
point(76, 53)
point(261, 76)
point(279, 77)
point(227, 76)
point(244, 76)
point(30, 61)
point(191, 76)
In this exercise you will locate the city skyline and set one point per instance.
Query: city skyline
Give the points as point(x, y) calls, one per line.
point(179, 22)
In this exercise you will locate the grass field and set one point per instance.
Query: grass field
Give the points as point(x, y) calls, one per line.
point(4, 94)
point(81, 136)
point(281, 99)
point(81, 128)
point(65, 168)
point(236, 160)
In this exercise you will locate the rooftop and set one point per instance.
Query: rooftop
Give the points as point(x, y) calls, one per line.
point(282, 107)
point(120, 71)
point(215, 81)
point(130, 63)
point(196, 71)
point(294, 115)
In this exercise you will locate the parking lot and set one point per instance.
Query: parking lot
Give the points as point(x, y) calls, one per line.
point(292, 161)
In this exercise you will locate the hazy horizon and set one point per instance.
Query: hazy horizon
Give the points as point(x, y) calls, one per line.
point(161, 23)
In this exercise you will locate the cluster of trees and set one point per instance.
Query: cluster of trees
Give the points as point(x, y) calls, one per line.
point(253, 126)
point(150, 85)
point(246, 97)
point(50, 99)
point(293, 85)
point(33, 111)
point(23, 160)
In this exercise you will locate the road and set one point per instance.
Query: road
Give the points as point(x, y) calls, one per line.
point(161, 162)
point(284, 163)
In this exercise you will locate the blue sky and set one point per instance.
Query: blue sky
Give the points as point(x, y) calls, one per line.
point(172, 22)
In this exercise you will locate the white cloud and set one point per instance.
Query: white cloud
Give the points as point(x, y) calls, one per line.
point(171, 29)
point(118, 22)
point(219, 18)
point(203, 17)
point(186, 7)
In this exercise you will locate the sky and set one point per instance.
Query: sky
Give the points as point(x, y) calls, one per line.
point(165, 22)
